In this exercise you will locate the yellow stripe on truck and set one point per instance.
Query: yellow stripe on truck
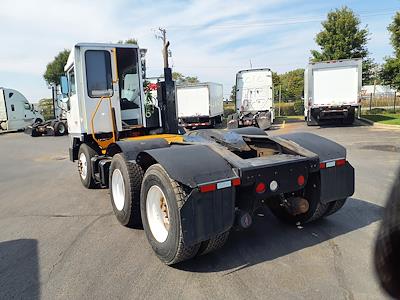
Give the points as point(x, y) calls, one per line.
point(170, 138)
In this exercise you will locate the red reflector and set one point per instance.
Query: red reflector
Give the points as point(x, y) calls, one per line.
point(322, 165)
point(340, 162)
point(236, 181)
point(260, 188)
point(300, 180)
point(208, 188)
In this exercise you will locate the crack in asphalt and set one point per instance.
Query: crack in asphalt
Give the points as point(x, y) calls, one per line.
point(339, 270)
point(78, 237)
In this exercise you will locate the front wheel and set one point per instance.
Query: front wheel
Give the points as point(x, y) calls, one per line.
point(85, 155)
point(160, 200)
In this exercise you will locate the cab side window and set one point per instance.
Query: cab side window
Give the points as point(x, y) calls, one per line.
point(98, 73)
point(71, 82)
point(27, 106)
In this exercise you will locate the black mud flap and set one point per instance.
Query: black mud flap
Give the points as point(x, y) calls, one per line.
point(205, 215)
point(337, 183)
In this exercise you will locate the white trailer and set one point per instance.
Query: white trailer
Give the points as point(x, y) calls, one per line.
point(254, 99)
point(200, 104)
point(15, 111)
point(332, 90)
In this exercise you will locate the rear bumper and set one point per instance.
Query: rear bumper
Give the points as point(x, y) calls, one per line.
point(338, 112)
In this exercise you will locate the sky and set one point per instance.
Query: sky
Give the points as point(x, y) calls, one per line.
point(210, 39)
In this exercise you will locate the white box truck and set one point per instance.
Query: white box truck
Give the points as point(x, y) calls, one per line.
point(254, 99)
point(332, 90)
point(200, 104)
point(15, 111)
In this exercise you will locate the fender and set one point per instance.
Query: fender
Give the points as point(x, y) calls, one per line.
point(204, 215)
point(192, 165)
point(336, 183)
point(324, 148)
point(131, 149)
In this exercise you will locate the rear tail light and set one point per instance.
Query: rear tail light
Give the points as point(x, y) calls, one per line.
point(332, 163)
point(340, 162)
point(260, 188)
point(236, 181)
point(301, 180)
point(210, 187)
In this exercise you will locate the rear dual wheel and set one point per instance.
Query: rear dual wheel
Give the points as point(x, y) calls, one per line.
point(160, 200)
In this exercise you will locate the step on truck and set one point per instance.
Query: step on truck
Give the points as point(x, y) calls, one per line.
point(332, 91)
point(200, 105)
point(16, 112)
point(188, 191)
point(254, 99)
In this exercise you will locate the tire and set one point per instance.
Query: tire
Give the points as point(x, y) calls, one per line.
point(60, 128)
point(38, 121)
point(213, 243)
point(334, 206)
point(163, 228)
point(316, 209)
point(85, 155)
point(125, 182)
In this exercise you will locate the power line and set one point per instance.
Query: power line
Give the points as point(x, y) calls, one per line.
point(276, 22)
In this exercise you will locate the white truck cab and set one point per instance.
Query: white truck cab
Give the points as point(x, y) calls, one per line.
point(254, 99)
point(111, 73)
point(15, 111)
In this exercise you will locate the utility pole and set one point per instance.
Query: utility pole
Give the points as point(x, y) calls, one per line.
point(279, 97)
point(163, 37)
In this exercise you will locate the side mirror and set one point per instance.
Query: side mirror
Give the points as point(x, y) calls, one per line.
point(32, 107)
point(64, 85)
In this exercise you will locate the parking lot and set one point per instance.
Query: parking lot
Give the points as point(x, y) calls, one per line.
point(59, 240)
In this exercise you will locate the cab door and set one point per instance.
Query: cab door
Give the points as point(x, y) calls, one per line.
point(100, 86)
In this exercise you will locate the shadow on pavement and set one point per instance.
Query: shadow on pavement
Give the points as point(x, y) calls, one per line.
point(269, 238)
point(19, 269)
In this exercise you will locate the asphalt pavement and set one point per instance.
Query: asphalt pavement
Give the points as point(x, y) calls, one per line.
point(59, 240)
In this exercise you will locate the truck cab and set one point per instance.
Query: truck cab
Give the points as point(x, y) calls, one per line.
point(254, 99)
point(15, 111)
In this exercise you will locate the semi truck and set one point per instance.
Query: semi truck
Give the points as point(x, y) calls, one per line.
point(188, 191)
point(332, 90)
point(254, 99)
point(15, 111)
point(200, 105)
point(57, 126)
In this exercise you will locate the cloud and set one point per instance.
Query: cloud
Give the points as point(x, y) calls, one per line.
point(211, 39)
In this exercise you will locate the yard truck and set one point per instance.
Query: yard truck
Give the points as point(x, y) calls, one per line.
point(57, 126)
point(332, 91)
point(254, 99)
point(15, 111)
point(188, 191)
point(200, 105)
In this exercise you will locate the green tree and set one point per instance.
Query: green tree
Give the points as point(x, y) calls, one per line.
point(232, 97)
point(292, 84)
point(182, 79)
point(342, 37)
point(390, 73)
point(45, 107)
point(55, 68)
point(132, 41)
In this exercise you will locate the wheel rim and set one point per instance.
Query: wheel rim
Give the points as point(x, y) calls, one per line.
point(61, 128)
point(118, 189)
point(82, 166)
point(157, 213)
